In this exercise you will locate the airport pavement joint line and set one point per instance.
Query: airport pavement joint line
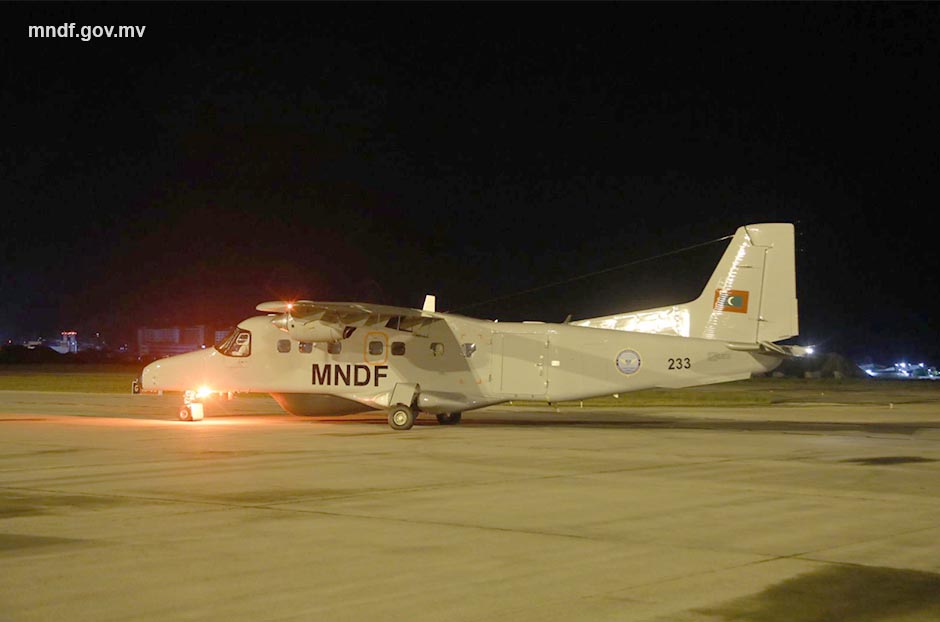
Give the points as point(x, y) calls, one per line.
point(277, 506)
point(334, 514)
point(827, 494)
point(489, 482)
point(894, 534)
point(610, 594)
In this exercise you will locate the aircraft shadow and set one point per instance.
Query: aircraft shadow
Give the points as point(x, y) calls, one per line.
point(633, 422)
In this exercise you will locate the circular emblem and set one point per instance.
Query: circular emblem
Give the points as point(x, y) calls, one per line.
point(628, 362)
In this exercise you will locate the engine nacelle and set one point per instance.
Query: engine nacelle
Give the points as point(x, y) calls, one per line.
point(310, 331)
point(316, 331)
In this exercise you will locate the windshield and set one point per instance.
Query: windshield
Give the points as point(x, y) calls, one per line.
point(236, 343)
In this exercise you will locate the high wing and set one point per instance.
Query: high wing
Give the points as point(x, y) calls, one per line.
point(346, 314)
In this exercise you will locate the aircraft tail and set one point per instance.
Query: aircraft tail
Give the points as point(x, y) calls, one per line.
point(750, 297)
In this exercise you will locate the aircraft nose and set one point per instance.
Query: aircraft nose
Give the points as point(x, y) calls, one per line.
point(148, 378)
point(178, 373)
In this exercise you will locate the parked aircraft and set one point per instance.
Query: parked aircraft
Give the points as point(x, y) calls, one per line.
point(333, 358)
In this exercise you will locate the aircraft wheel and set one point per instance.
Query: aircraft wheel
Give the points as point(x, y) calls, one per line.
point(401, 417)
point(185, 414)
point(449, 418)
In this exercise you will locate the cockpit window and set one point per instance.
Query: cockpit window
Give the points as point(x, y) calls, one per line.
point(228, 335)
point(236, 343)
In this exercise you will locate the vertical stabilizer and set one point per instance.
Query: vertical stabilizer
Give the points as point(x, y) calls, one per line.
point(750, 297)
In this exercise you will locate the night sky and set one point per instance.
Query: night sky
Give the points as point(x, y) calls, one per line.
point(239, 153)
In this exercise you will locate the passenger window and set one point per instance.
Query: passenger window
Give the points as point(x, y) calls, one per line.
point(437, 349)
point(334, 347)
point(283, 345)
point(305, 348)
point(398, 348)
point(376, 347)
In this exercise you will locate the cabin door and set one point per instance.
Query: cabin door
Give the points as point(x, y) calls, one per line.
point(523, 364)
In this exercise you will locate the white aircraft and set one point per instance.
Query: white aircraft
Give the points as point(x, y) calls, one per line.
point(333, 358)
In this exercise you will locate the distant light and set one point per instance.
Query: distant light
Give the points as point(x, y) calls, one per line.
point(810, 350)
point(202, 392)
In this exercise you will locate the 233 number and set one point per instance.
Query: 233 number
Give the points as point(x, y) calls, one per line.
point(680, 363)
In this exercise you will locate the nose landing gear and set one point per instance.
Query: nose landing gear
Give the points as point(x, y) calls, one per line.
point(192, 409)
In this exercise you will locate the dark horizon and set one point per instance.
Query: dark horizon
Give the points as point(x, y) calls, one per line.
point(242, 153)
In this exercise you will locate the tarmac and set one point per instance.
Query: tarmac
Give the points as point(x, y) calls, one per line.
point(111, 509)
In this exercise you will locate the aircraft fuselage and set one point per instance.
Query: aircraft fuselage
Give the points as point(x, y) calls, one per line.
point(454, 364)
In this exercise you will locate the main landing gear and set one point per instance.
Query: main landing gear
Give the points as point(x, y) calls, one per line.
point(401, 417)
point(449, 418)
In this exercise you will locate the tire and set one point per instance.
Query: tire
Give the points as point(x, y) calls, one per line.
point(449, 418)
point(401, 417)
point(185, 414)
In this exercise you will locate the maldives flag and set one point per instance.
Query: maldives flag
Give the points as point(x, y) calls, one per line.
point(732, 300)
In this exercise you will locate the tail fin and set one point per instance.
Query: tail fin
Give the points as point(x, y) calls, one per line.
point(750, 297)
